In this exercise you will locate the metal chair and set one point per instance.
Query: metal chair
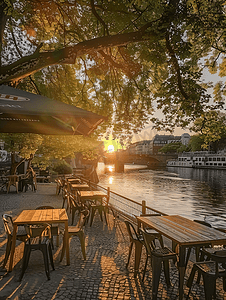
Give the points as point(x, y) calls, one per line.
point(20, 236)
point(42, 243)
point(59, 186)
point(77, 231)
point(136, 240)
point(55, 231)
point(100, 205)
point(210, 271)
point(158, 256)
point(75, 206)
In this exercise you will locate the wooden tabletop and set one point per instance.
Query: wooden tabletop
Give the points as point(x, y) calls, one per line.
point(92, 194)
point(72, 179)
point(41, 216)
point(184, 231)
point(79, 185)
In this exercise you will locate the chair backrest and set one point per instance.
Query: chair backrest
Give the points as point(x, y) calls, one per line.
point(132, 231)
point(38, 231)
point(13, 179)
point(82, 218)
point(203, 223)
point(148, 241)
point(8, 223)
point(45, 207)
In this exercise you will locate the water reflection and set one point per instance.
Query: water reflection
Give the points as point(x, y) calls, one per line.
point(192, 193)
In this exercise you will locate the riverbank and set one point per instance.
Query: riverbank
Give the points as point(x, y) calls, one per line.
point(102, 276)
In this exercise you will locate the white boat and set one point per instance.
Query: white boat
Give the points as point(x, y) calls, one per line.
point(200, 159)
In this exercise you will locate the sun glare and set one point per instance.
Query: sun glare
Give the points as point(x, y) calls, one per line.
point(111, 148)
point(110, 180)
point(111, 168)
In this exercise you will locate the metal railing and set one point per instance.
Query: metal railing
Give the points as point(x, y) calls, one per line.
point(123, 206)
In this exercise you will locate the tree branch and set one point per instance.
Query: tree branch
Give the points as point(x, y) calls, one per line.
point(38, 60)
point(176, 66)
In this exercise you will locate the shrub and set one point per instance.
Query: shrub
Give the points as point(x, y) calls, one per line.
point(61, 167)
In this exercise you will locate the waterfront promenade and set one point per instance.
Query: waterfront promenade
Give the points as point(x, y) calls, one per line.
point(102, 276)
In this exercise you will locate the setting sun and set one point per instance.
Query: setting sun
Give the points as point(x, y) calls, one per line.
point(111, 148)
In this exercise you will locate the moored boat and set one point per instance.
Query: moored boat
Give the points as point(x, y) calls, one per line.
point(200, 159)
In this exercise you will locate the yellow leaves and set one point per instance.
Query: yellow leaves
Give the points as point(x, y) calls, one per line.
point(30, 31)
point(222, 68)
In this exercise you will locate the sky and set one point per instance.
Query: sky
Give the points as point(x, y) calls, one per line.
point(148, 133)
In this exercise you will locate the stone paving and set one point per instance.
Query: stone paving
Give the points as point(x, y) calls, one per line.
point(102, 276)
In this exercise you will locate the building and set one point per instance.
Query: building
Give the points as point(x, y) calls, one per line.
point(150, 147)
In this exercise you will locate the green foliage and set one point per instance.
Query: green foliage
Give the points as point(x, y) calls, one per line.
point(196, 143)
point(211, 126)
point(131, 58)
point(22, 143)
point(62, 167)
point(171, 147)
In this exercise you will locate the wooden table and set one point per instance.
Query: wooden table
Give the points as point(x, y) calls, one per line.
point(185, 233)
point(91, 195)
point(79, 186)
point(37, 217)
point(71, 179)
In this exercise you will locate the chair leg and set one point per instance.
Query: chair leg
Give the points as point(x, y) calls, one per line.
point(209, 286)
point(26, 257)
point(166, 272)
point(51, 256)
point(105, 214)
point(46, 260)
point(63, 249)
point(138, 250)
point(57, 240)
point(8, 188)
point(82, 241)
point(191, 279)
point(130, 251)
point(7, 251)
point(156, 272)
point(145, 267)
point(93, 210)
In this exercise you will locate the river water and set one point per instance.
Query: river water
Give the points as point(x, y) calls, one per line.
point(192, 193)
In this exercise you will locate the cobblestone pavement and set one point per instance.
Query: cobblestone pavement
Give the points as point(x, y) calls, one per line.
point(102, 276)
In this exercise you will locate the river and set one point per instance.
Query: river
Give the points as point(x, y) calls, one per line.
point(192, 193)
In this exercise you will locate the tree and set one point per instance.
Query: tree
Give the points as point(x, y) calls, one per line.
point(211, 127)
point(171, 148)
point(127, 57)
point(45, 149)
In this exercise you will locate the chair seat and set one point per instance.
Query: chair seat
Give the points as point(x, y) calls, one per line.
point(73, 229)
point(165, 251)
point(209, 267)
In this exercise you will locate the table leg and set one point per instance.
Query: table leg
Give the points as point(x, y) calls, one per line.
point(67, 243)
point(13, 247)
point(181, 267)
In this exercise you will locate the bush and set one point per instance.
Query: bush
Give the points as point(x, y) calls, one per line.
point(62, 167)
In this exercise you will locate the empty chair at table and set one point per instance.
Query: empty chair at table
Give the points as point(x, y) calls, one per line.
point(77, 231)
point(210, 270)
point(60, 184)
point(20, 236)
point(100, 204)
point(42, 243)
point(75, 205)
point(55, 231)
point(136, 238)
point(159, 256)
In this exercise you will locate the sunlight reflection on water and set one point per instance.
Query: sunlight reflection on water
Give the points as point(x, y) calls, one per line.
point(192, 193)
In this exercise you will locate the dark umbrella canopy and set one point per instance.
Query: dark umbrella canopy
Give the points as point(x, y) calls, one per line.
point(23, 112)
